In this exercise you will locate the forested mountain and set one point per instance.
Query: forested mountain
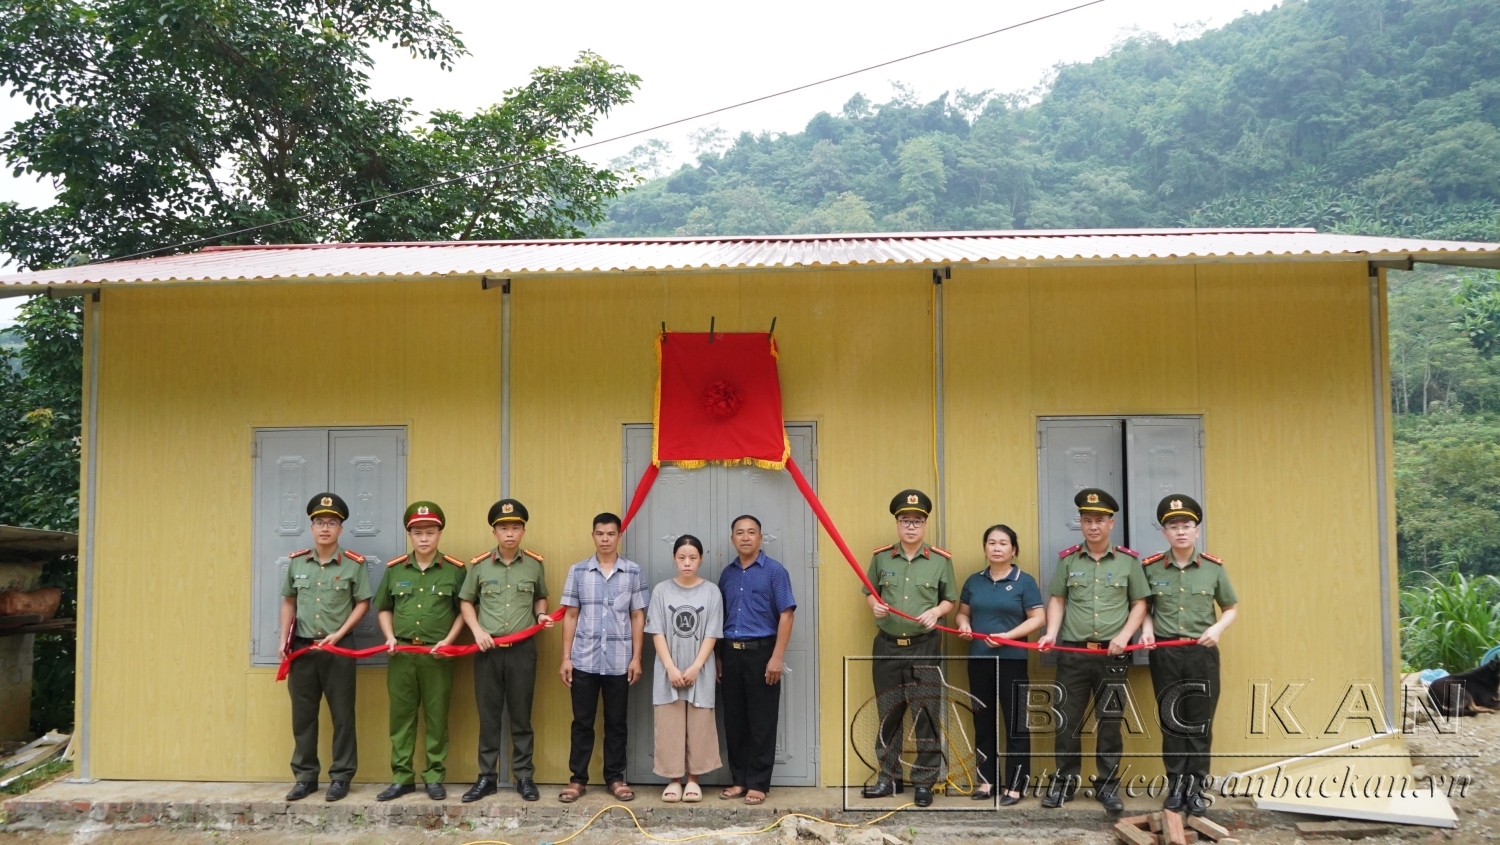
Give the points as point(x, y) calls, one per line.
point(1374, 116)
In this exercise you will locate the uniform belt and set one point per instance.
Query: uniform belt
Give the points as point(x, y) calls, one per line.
point(758, 642)
point(415, 641)
point(1091, 645)
point(907, 642)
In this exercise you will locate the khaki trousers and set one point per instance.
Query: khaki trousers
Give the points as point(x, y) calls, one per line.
point(687, 740)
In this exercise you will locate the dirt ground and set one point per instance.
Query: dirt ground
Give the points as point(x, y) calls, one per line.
point(1473, 751)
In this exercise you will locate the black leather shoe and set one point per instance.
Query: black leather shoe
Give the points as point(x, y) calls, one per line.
point(436, 792)
point(883, 787)
point(1198, 804)
point(337, 790)
point(983, 793)
point(1110, 798)
point(526, 787)
point(1176, 799)
point(301, 789)
point(924, 796)
point(482, 787)
point(1057, 794)
point(1008, 800)
point(395, 790)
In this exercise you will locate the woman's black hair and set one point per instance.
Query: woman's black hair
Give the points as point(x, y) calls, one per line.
point(687, 540)
point(1009, 532)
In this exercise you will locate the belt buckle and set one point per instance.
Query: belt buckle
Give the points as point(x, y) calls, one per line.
point(740, 646)
point(416, 641)
point(505, 645)
point(1094, 646)
point(903, 641)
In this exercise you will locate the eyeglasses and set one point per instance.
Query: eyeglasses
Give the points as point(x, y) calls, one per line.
point(326, 523)
point(911, 523)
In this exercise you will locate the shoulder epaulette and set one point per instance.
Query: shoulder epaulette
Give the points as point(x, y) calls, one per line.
point(453, 560)
point(883, 549)
point(481, 558)
point(1147, 561)
point(395, 560)
point(1131, 552)
point(944, 552)
point(533, 555)
point(1211, 557)
point(1069, 550)
point(354, 556)
point(302, 553)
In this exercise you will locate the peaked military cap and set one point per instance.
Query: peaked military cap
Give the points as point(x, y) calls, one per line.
point(911, 501)
point(327, 504)
point(508, 510)
point(1178, 505)
point(1094, 500)
point(424, 513)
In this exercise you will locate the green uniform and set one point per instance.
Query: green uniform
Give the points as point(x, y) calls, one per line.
point(503, 594)
point(423, 606)
point(911, 586)
point(1098, 595)
point(1186, 678)
point(326, 593)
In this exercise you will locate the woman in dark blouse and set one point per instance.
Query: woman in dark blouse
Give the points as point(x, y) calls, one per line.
point(1000, 599)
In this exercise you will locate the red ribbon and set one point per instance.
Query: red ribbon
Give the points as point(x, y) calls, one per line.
point(444, 651)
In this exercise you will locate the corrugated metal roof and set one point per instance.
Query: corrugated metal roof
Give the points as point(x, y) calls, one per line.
point(391, 261)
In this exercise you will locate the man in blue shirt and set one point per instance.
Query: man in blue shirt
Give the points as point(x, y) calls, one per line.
point(758, 609)
point(605, 621)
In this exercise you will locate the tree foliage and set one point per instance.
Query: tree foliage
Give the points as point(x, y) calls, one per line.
point(162, 121)
point(1377, 116)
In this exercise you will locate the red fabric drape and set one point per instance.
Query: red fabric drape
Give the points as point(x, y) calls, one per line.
point(718, 398)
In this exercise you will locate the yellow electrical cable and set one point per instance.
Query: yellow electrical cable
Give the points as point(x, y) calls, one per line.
point(636, 819)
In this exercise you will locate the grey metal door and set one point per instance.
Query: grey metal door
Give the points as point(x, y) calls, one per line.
point(367, 468)
point(1164, 456)
point(1073, 454)
point(701, 502)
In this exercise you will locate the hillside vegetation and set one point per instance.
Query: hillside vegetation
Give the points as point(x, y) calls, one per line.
point(1375, 116)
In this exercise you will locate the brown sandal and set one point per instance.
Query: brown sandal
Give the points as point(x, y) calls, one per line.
point(754, 796)
point(572, 792)
point(731, 793)
point(622, 791)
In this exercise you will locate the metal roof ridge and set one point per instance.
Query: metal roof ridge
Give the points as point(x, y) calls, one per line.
point(1016, 234)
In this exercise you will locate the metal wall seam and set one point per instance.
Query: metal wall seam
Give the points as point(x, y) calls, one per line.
point(85, 635)
point(1382, 490)
point(940, 444)
point(505, 390)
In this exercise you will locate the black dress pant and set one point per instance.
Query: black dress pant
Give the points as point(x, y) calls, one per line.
point(910, 685)
point(1102, 678)
point(751, 707)
point(504, 681)
point(313, 677)
point(587, 689)
point(1186, 680)
point(1003, 682)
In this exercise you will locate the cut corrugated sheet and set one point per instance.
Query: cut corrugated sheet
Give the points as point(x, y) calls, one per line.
point(440, 259)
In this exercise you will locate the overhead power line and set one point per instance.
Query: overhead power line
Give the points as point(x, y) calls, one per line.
point(658, 127)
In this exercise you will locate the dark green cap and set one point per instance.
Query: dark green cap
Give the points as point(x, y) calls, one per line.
point(1176, 506)
point(911, 501)
point(423, 513)
point(1094, 500)
point(327, 504)
point(508, 510)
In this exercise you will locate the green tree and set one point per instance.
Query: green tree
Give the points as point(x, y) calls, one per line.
point(162, 121)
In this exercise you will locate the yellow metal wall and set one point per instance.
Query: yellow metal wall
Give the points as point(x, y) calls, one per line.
point(1275, 357)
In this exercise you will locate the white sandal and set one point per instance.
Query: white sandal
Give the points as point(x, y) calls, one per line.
point(692, 794)
point(672, 794)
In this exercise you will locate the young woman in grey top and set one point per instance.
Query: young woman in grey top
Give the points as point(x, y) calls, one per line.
point(685, 620)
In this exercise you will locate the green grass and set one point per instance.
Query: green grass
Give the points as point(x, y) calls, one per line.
point(37, 777)
point(1449, 620)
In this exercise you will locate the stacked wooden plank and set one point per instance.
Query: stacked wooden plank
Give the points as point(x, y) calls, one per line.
point(1169, 828)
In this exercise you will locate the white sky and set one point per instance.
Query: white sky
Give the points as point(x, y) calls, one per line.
point(695, 56)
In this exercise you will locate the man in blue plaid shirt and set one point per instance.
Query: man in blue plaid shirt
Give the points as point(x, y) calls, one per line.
point(606, 598)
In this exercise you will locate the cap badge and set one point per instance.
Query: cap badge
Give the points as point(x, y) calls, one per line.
point(327, 502)
point(911, 499)
point(1093, 498)
point(422, 510)
point(1176, 504)
point(507, 508)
